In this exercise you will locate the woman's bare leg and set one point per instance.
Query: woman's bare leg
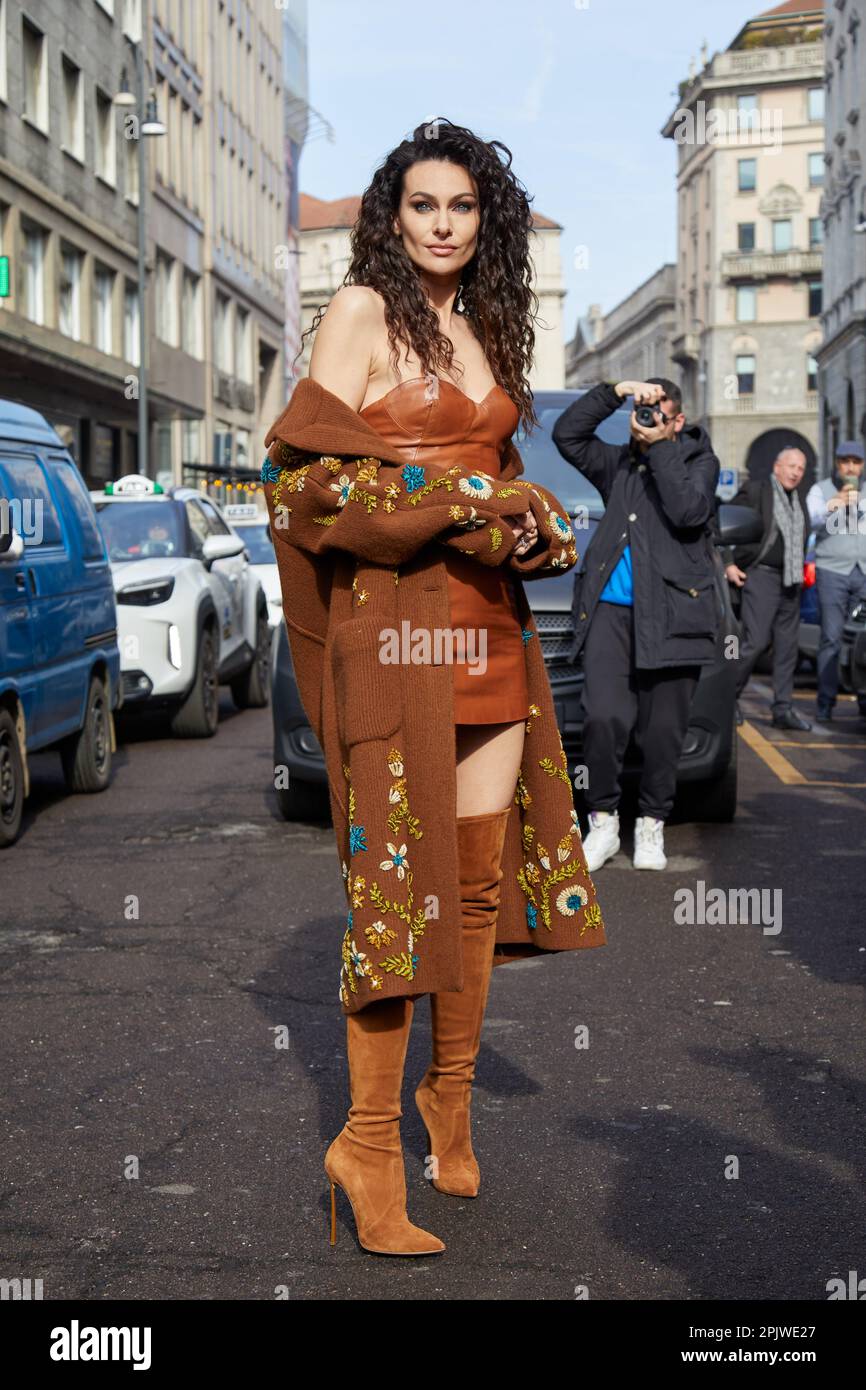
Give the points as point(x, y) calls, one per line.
point(488, 761)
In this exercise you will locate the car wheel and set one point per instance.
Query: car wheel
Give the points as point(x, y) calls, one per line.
point(198, 716)
point(11, 781)
point(252, 689)
point(86, 756)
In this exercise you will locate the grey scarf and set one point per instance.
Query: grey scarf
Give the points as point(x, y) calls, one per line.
point(788, 516)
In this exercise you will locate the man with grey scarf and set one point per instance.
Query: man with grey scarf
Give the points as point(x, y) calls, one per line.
point(770, 574)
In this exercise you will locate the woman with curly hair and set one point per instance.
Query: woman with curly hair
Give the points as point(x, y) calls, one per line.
point(392, 480)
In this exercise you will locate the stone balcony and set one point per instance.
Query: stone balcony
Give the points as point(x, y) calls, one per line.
point(765, 265)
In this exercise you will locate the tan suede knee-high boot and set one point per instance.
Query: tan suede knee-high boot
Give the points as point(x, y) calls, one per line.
point(444, 1096)
point(366, 1158)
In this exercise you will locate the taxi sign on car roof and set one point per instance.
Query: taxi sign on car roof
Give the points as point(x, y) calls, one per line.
point(243, 511)
point(133, 485)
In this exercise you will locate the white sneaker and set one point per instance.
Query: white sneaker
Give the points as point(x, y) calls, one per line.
point(649, 843)
point(602, 842)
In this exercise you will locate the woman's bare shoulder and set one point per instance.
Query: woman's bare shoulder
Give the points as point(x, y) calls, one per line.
point(356, 304)
point(346, 342)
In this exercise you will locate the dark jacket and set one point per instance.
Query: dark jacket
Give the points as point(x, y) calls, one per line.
point(662, 504)
point(759, 495)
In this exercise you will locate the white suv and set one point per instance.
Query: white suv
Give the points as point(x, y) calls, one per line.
point(253, 527)
point(191, 613)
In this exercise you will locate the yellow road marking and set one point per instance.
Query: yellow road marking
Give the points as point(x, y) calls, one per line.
point(786, 772)
point(776, 762)
point(795, 743)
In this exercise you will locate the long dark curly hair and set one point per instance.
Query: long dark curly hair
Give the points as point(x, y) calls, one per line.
point(496, 284)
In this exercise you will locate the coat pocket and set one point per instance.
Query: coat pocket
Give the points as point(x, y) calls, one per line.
point(691, 608)
point(366, 689)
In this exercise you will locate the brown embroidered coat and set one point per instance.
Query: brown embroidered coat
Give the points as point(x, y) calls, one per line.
point(358, 535)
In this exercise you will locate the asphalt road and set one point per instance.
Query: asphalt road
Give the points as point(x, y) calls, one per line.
point(156, 1143)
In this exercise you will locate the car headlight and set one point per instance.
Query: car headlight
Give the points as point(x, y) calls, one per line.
point(143, 595)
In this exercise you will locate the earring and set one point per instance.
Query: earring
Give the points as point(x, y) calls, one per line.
point(460, 303)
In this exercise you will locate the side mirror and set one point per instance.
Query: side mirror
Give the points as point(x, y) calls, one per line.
point(221, 548)
point(739, 525)
point(11, 546)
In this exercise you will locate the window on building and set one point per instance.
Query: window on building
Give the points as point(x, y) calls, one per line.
point(132, 19)
point(3, 49)
point(106, 148)
point(811, 373)
point(34, 241)
point(166, 299)
point(190, 440)
point(222, 445)
point(745, 236)
point(72, 139)
point(69, 295)
point(816, 232)
point(745, 366)
point(103, 297)
point(243, 449)
point(222, 334)
point(816, 170)
point(131, 343)
point(815, 103)
point(782, 234)
point(747, 304)
point(191, 325)
point(747, 175)
point(35, 60)
point(243, 355)
point(748, 115)
point(815, 298)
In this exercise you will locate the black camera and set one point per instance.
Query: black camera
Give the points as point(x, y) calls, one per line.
point(646, 415)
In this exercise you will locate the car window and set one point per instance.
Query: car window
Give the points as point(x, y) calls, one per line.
point(31, 506)
point(198, 525)
point(215, 523)
point(72, 483)
point(543, 463)
point(257, 540)
point(140, 530)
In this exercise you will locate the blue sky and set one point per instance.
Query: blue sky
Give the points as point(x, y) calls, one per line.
point(577, 91)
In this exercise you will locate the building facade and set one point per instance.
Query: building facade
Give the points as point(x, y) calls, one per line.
point(750, 136)
point(632, 342)
point(842, 357)
point(68, 224)
point(325, 245)
point(216, 214)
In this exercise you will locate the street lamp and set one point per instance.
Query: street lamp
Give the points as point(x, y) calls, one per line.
point(149, 126)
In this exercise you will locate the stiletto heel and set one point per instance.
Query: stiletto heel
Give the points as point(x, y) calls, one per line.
point(333, 1214)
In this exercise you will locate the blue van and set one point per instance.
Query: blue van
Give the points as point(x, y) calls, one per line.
point(59, 659)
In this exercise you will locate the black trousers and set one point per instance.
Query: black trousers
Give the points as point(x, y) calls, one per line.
point(771, 610)
point(619, 700)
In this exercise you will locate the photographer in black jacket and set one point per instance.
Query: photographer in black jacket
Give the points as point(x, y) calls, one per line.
point(646, 609)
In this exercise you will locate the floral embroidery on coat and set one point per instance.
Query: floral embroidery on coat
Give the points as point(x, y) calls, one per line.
point(358, 964)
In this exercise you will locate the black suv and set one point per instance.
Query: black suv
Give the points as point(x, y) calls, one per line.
point(707, 777)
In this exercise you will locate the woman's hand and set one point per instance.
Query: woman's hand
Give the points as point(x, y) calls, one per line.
point(525, 528)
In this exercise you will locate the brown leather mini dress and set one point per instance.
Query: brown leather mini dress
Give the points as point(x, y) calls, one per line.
point(433, 422)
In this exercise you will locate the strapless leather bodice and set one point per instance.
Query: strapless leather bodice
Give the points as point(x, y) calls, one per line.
point(431, 421)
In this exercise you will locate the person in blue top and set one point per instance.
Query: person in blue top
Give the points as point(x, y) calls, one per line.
point(646, 612)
